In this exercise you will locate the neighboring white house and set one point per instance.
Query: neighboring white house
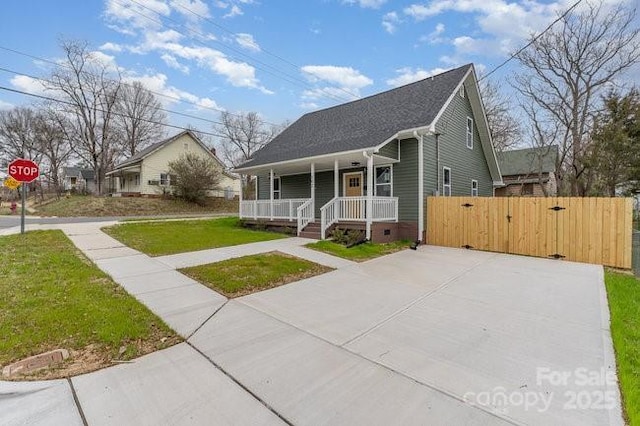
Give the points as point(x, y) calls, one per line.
point(147, 172)
point(78, 179)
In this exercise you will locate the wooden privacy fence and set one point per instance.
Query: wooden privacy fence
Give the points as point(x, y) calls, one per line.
point(591, 230)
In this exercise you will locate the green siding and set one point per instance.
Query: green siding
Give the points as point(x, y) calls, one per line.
point(466, 164)
point(390, 150)
point(296, 186)
point(405, 181)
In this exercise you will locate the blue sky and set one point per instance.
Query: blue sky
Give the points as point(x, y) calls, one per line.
point(279, 58)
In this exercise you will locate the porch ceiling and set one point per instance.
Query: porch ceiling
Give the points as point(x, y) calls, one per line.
point(345, 161)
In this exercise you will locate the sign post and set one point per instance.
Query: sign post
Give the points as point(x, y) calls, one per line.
point(24, 171)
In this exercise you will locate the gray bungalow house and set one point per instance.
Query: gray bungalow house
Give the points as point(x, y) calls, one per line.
point(370, 163)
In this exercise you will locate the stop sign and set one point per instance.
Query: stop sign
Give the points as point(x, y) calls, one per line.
point(23, 170)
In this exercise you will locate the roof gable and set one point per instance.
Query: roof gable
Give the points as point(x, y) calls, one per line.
point(364, 123)
point(528, 161)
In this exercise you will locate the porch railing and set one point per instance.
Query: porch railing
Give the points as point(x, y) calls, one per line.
point(263, 209)
point(355, 209)
point(305, 214)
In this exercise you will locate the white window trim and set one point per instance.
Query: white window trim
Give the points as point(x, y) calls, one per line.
point(469, 132)
point(279, 190)
point(344, 183)
point(445, 185)
point(375, 185)
point(474, 182)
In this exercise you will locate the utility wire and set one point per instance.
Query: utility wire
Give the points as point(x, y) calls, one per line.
point(533, 40)
point(285, 76)
point(195, 117)
point(48, 98)
point(268, 52)
point(164, 95)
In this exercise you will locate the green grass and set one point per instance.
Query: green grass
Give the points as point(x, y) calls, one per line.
point(361, 252)
point(623, 292)
point(53, 297)
point(161, 238)
point(244, 275)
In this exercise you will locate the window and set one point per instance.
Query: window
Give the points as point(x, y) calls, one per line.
point(446, 181)
point(461, 92)
point(383, 182)
point(164, 179)
point(73, 180)
point(474, 188)
point(137, 180)
point(354, 182)
point(122, 182)
point(469, 132)
point(186, 146)
point(276, 188)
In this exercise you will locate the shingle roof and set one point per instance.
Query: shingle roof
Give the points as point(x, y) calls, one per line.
point(71, 171)
point(148, 150)
point(527, 161)
point(87, 174)
point(363, 123)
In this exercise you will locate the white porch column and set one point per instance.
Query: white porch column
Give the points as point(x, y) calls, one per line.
point(369, 193)
point(271, 193)
point(255, 198)
point(240, 196)
point(313, 192)
point(420, 187)
point(336, 186)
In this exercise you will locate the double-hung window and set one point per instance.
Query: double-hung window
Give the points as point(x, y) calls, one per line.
point(474, 188)
point(469, 132)
point(446, 181)
point(164, 179)
point(383, 182)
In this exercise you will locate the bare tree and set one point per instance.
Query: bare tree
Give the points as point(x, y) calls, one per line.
point(567, 68)
point(18, 134)
point(139, 117)
point(242, 136)
point(53, 145)
point(88, 117)
point(505, 130)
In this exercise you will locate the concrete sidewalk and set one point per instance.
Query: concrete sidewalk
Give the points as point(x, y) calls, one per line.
point(410, 338)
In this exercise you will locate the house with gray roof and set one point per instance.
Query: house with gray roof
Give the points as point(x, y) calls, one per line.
point(78, 179)
point(371, 163)
point(529, 172)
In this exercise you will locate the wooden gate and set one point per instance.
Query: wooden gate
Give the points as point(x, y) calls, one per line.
point(591, 230)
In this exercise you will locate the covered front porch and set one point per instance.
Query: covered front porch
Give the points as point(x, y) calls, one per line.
point(349, 188)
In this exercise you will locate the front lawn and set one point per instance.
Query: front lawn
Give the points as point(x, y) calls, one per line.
point(623, 292)
point(244, 275)
point(53, 297)
point(361, 252)
point(161, 238)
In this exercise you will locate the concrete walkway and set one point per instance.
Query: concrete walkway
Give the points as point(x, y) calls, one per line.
point(411, 338)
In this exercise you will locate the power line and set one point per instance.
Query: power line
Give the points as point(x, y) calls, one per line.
point(285, 76)
point(268, 52)
point(533, 40)
point(164, 95)
point(159, 108)
point(48, 98)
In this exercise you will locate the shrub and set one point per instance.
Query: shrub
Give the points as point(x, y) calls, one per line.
point(195, 175)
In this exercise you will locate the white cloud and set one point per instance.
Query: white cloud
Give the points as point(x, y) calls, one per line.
point(434, 37)
point(247, 41)
point(309, 105)
point(5, 105)
point(234, 11)
point(28, 84)
point(409, 75)
point(342, 76)
point(371, 4)
point(172, 62)
point(206, 103)
point(128, 16)
point(111, 47)
point(186, 7)
point(390, 22)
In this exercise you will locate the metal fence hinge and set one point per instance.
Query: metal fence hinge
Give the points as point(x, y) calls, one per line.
point(557, 256)
point(467, 205)
point(557, 208)
point(467, 246)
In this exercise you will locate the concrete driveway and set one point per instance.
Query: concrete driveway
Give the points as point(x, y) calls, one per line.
point(436, 336)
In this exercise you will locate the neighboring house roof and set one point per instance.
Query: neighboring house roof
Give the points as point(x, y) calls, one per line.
point(364, 123)
point(528, 161)
point(86, 174)
point(141, 155)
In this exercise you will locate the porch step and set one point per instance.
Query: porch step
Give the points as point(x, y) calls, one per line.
point(312, 230)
